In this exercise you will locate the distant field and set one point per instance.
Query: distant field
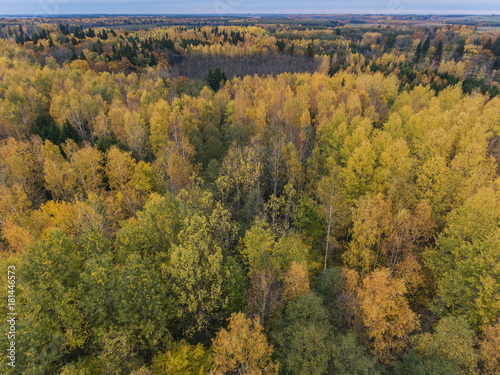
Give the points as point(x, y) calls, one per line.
point(196, 68)
point(483, 29)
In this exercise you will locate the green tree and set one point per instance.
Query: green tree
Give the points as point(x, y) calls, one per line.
point(215, 78)
point(302, 337)
point(52, 313)
point(142, 306)
point(308, 221)
point(98, 282)
point(349, 357)
point(460, 50)
point(196, 278)
point(425, 46)
point(269, 262)
point(330, 285)
point(439, 52)
point(418, 53)
point(464, 261)
point(99, 291)
point(258, 245)
point(235, 284)
point(449, 350)
point(154, 231)
point(117, 354)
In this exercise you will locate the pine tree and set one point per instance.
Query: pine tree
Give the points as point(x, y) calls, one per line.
point(418, 53)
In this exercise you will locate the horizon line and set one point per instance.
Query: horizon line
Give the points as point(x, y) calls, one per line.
point(250, 14)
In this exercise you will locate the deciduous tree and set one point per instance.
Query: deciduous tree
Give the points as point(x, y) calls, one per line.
point(449, 350)
point(388, 319)
point(196, 278)
point(242, 348)
point(464, 261)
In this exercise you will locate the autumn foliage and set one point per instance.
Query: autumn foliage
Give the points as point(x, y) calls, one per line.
point(251, 196)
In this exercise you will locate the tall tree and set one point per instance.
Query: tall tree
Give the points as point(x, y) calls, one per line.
point(333, 205)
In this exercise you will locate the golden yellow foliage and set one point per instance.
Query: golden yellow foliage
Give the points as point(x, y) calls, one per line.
point(243, 349)
point(489, 349)
point(388, 319)
point(296, 282)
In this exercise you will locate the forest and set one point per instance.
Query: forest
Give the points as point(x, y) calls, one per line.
point(250, 196)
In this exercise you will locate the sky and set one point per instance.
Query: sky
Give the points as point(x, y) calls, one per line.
point(62, 7)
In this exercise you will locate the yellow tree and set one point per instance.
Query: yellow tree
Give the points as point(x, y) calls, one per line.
point(183, 359)
point(79, 108)
point(119, 168)
point(18, 110)
point(96, 211)
point(293, 166)
point(489, 350)
point(135, 133)
point(243, 349)
point(372, 219)
point(240, 172)
point(132, 181)
point(359, 172)
point(116, 114)
point(471, 170)
point(386, 315)
point(409, 231)
point(170, 144)
point(86, 162)
point(433, 183)
point(160, 135)
point(15, 216)
point(396, 171)
point(60, 177)
point(296, 282)
point(333, 206)
point(275, 159)
point(20, 164)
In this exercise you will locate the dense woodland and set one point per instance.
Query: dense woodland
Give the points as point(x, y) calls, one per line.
point(261, 199)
